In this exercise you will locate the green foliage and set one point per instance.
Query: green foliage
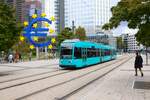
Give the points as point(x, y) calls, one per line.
point(143, 35)
point(2, 1)
point(68, 34)
point(65, 34)
point(120, 44)
point(22, 47)
point(136, 13)
point(80, 33)
point(8, 27)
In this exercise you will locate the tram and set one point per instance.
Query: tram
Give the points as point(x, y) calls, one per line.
point(78, 54)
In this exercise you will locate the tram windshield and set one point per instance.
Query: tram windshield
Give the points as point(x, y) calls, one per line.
point(66, 53)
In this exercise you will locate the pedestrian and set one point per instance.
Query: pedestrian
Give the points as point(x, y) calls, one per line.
point(30, 56)
point(16, 57)
point(138, 64)
point(10, 58)
point(20, 57)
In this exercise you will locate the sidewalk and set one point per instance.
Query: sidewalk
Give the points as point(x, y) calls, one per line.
point(120, 85)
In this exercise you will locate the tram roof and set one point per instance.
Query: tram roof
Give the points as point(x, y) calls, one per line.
point(77, 42)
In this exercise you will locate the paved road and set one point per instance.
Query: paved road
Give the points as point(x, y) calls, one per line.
point(118, 85)
point(44, 80)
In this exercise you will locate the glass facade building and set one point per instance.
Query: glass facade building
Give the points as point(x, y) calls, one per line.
point(90, 14)
point(55, 8)
point(48, 8)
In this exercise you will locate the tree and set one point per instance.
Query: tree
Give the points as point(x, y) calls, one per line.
point(80, 33)
point(9, 28)
point(137, 14)
point(120, 44)
point(65, 34)
point(22, 47)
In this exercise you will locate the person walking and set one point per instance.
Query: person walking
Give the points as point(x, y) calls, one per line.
point(10, 58)
point(16, 57)
point(138, 64)
point(20, 57)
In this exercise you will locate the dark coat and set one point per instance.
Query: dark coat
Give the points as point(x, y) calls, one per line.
point(138, 62)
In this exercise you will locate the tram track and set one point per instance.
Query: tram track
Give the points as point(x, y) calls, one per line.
point(90, 82)
point(28, 76)
point(43, 66)
point(28, 68)
point(22, 83)
point(76, 78)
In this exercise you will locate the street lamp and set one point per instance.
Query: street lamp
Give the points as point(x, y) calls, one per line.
point(73, 27)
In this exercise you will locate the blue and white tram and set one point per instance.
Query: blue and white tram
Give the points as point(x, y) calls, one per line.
point(78, 54)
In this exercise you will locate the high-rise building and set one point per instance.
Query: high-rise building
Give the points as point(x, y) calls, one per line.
point(19, 6)
point(55, 8)
point(25, 8)
point(32, 7)
point(90, 14)
point(10, 2)
point(61, 15)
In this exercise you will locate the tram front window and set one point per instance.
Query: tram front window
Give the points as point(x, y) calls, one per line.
point(66, 53)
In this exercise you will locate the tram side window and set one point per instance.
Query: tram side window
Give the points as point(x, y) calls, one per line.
point(77, 53)
point(102, 52)
point(92, 52)
point(107, 52)
point(97, 53)
point(89, 53)
point(66, 53)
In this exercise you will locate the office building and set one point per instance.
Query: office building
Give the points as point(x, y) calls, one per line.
point(102, 37)
point(55, 8)
point(10, 2)
point(31, 7)
point(133, 44)
point(90, 14)
point(19, 6)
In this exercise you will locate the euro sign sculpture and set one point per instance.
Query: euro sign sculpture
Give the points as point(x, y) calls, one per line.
point(33, 32)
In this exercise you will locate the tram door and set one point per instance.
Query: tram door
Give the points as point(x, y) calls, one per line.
point(84, 56)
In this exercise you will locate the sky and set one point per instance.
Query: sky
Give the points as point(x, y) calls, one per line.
point(123, 29)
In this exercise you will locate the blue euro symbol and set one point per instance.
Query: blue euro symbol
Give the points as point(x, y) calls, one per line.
point(38, 32)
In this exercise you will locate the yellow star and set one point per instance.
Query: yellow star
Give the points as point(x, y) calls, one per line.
point(25, 23)
point(46, 24)
point(22, 38)
point(35, 38)
point(53, 40)
point(51, 31)
point(43, 15)
point(31, 46)
point(52, 18)
point(35, 25)
point(34, 16)
point(50, 46)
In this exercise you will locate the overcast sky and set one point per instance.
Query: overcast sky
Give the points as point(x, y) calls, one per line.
point(123, 29)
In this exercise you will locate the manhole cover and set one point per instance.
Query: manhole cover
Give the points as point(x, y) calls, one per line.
point(141, 85)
